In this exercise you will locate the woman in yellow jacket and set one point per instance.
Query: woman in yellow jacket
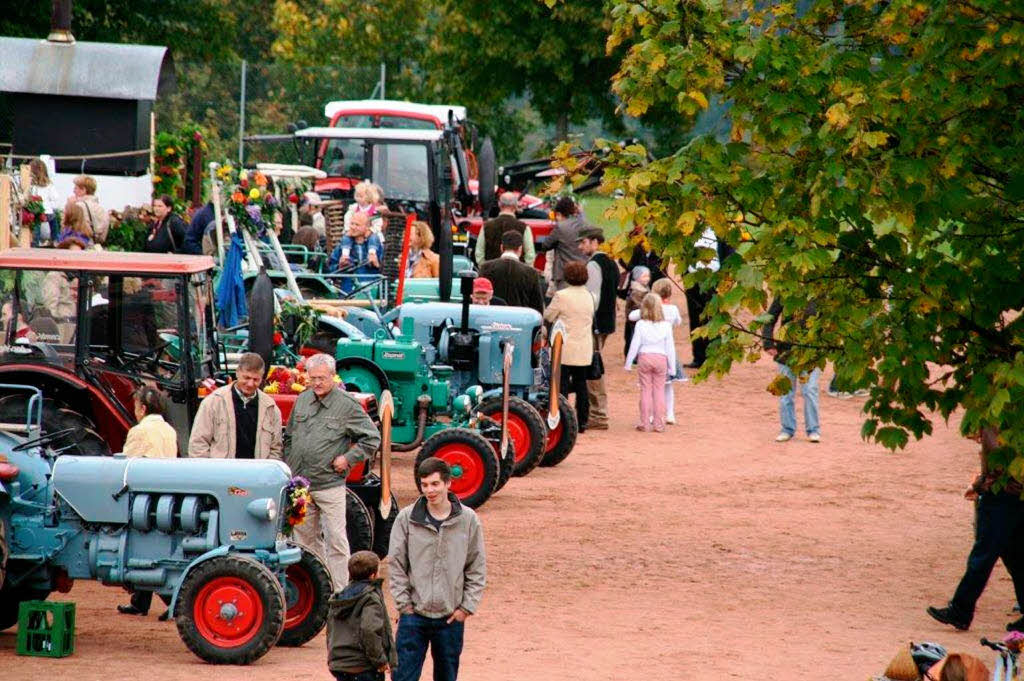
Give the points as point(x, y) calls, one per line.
point(154, 438)
point(574, 306)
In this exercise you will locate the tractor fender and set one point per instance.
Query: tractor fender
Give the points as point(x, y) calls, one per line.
point(222, 550)
point(65, 376)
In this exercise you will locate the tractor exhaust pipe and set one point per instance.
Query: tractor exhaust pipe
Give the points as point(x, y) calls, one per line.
point(466, 289)
point(60, 23)
point(422, 406)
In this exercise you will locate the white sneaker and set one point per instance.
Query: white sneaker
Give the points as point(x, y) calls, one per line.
point(783, 437)
point(671, 420)
point(814, 437)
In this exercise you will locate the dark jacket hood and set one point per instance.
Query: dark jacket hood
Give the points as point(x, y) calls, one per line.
point(346, 600)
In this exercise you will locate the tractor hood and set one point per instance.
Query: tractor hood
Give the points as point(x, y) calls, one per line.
point(99, 489)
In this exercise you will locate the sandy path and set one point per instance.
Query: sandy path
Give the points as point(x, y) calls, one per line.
point(706, 552)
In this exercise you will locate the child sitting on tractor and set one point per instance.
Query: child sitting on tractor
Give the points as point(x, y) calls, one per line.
point(359, 641)
point(358, 247)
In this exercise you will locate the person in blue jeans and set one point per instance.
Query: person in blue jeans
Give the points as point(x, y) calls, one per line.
point(361, 247)
point(808, 382)
point(437, 573)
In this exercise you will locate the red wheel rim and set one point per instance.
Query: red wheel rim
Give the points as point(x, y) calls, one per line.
point(554, 436)
point(519, 432)
point(298, 596)
point(467, 468)
point(228, 612)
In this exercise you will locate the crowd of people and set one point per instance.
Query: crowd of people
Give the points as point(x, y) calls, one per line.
point(437, 561)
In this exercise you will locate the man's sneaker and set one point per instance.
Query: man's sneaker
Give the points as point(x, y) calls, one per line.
point(671, 420)
point(783, 437)
point(1016, 625)
point(598, 425)
point(948, 616)
point(814, 437)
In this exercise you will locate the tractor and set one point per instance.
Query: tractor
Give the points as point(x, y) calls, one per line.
point(201, 533)
point(136, 318)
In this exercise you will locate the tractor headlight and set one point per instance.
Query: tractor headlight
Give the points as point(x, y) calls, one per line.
point(462, 403)
point(264, 509)
point(475, 393)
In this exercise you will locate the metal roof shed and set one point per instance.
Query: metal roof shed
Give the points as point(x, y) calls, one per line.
point(81, 98)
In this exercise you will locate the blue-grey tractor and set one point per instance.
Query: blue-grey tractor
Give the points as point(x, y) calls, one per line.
point(203, 534)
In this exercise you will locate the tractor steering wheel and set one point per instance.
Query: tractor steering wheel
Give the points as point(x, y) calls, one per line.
point(44, 440)
point(152, 356)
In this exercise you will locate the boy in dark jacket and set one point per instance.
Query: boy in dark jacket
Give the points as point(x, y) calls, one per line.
point(360, 646)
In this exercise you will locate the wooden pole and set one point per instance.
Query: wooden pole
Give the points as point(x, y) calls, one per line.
point(5, 212)
point(25, 235)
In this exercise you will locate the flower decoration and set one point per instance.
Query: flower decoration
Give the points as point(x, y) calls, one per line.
point(293, 198)
point(252, 204)
point(33, 213)
point(297, 500)
point(285, 381)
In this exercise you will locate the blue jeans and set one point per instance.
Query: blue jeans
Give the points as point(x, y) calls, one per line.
point(415, 633)
point(787, 403)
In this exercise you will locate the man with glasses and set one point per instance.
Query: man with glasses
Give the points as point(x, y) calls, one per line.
point(328, 432)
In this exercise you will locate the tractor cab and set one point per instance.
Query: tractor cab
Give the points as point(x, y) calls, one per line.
point(90, 327)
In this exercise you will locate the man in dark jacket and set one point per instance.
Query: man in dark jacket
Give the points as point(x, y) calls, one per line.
point(360, 646)
point(564, 239)
point(197, 229)
point(602, 282)
point(514, 282)
point(488, 242)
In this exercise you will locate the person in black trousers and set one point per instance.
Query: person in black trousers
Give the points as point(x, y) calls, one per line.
point(999, 533)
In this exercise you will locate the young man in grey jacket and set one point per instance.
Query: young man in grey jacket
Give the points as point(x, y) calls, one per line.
point(437, 572)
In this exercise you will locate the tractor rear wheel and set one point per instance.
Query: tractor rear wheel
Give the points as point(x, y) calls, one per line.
point(307, 588)
point(230, 610)
point(11, 599)
point(562, 439)
point(382, 528)
point(57, 416)
point(473, 461)
point(358, 523)
point(526, 428)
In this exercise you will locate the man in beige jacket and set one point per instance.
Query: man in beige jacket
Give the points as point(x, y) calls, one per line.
point(238, 421)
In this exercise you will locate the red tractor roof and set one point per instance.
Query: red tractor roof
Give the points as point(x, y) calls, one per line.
point(103, 261)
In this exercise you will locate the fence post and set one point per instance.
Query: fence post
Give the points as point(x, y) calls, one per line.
point(5, 212)
point(241, 119)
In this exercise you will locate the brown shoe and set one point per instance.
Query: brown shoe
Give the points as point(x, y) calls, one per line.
point(598, 425)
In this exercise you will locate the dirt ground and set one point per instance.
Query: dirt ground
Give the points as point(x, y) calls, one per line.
point(706, 552)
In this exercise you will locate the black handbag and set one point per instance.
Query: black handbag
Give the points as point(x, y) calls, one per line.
point(596, 369)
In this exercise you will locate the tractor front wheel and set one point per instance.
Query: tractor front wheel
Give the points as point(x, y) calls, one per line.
point(307, 589)
point(382, 528)
point(473, 461)
point(562, 439)
point(525, 426)
point(230, 610)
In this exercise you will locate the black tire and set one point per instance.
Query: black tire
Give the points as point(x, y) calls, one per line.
point(570, 430)
point(308, 587)
point(11, 599)
point(475, 466)
point(3, 552)
point(261, 318)
point(382, 528)
point(58, 416)
point(242, 574)
point(526, 427)
point(358, 524)
point(508, 463)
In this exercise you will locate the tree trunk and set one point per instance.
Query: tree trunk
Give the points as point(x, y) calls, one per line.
point(562, 126)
